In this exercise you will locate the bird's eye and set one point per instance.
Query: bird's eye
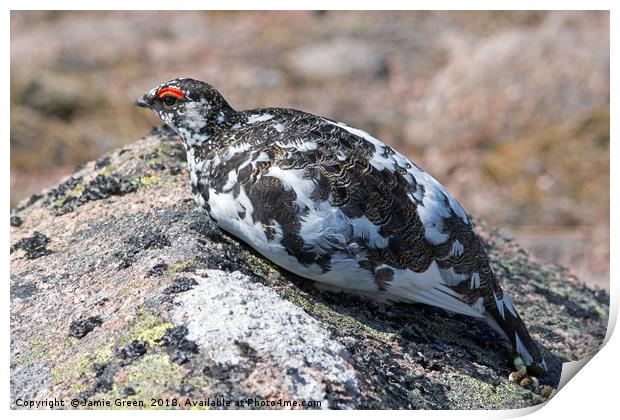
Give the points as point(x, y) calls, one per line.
point(170, 95)
point(169, 100)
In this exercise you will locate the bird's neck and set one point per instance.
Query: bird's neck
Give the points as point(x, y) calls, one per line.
point(202, 134)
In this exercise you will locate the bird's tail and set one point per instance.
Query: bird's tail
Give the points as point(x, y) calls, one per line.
point(502, 316)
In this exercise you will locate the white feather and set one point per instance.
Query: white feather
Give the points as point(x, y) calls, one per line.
point(508, 304)
point(428, 287)
point(475, 281)
point(451, 278)
point(522, 350)
point(259, 118)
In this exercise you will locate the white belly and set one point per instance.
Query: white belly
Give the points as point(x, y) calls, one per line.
point(344, 271)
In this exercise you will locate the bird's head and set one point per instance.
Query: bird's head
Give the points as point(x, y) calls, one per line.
point(194, 109)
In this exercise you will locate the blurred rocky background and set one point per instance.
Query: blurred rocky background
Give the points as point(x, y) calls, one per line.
point(509, 110)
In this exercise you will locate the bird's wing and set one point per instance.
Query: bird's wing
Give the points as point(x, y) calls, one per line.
point(432, 247)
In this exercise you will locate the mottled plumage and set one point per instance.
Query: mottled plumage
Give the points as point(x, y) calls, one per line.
point(333, 204)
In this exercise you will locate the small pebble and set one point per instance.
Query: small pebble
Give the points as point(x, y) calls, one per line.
point(546, 391)
point(518, 376)
point(529, 383)
point(16, 221)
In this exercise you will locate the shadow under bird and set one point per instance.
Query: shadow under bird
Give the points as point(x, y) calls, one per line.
point(333, 204)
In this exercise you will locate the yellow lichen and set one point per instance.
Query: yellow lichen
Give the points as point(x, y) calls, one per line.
point(147, 181)
point(73, 369)
point(146, 327)
point(153, 376)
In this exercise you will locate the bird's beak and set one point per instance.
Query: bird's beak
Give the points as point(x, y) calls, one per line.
point(142, 103)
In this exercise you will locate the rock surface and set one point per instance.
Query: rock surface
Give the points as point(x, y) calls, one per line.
point(134, 294)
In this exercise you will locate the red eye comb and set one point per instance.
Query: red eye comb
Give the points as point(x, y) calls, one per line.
point(178, 93)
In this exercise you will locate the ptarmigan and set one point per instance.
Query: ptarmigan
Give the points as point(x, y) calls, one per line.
point(332, 203)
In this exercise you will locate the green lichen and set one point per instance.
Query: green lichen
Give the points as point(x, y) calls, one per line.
point(259, 266)
point(161, 154)
point(107, 171)
point(126, 291)
point(103, 355)
point(154, 161)
point(76, 388)
point(146, 181)
point(158, 149)
point(187, 265)
point(166, 149)
point(146, 327)
point(65, 371)
point(74, 193)
point(75, 369)
point(153, 376)
point(198, 382)
point(347, 325)
point(38, 350)
point(467, 392)
point(69, 342)
point(169, 182)
point(77, 191)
